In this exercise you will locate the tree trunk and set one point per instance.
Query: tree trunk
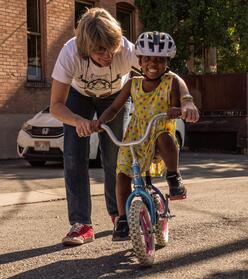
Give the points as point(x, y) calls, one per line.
point(210, 61)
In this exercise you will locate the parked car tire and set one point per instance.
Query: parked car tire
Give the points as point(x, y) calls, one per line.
point(37, 163)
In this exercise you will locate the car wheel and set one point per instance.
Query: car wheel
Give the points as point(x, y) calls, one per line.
point(37, 163)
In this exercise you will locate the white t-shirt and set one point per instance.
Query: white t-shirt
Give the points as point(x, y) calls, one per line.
point(84, 75)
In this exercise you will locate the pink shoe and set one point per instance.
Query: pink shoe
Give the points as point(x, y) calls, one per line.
point(79, 234)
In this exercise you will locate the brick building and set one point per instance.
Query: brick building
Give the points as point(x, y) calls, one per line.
point(32, 33)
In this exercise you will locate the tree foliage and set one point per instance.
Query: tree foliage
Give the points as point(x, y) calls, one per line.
point(197, 25)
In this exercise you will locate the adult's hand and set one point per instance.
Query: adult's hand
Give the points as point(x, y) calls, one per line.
point(189, 112)
point(83, 127)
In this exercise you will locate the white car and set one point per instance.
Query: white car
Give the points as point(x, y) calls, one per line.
point(41, 139)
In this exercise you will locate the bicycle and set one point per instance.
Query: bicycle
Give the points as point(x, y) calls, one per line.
point(147, 209)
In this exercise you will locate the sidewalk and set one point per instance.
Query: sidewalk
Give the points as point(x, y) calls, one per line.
point(41, 195)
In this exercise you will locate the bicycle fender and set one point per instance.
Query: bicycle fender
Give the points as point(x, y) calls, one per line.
point(165, 200)
point(146, 198)
point(156, 190)
point(129, 201)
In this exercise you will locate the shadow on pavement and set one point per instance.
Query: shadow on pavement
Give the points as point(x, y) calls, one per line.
point(103, 234)
point(212, 165)
point(27, 254)
point(238, 274)
point(193, 165)
point(123, 262)
point(21, 170)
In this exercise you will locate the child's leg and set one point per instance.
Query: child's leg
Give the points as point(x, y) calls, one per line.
point(123, 190)
point(169, 152)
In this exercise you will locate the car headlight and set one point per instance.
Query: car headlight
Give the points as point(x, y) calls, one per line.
point(26, 127)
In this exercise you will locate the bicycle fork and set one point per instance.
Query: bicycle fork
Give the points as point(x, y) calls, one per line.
point(140, 192)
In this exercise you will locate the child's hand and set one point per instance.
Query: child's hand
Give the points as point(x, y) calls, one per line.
point(174, 112)
point(96, 125)
point(189, 112)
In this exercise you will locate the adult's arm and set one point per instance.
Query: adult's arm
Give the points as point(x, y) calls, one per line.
point(58, 109)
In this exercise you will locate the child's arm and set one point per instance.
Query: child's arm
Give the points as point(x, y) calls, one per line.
point(181, 97)
point(175, 95)
point(174, 110)
point(114, 109)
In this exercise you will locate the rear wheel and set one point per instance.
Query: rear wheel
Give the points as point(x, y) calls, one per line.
point(162, 226)
point(141, 232)
point(37, 163)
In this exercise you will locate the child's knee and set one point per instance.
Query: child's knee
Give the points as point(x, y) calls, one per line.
point(166, 140)
point(123, 179)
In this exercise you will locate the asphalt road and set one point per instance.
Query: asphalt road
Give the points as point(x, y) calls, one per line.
point(208, 236)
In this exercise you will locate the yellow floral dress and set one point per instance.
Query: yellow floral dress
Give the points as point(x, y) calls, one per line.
point(146, 105)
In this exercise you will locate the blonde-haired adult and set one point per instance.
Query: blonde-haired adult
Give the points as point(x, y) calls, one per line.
point(89, 72)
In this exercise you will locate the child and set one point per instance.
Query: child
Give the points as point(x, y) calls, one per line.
point(157, 91)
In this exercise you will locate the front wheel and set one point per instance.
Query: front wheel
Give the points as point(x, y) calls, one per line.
point(141, 232)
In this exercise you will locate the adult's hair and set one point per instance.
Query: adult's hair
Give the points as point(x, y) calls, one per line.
point(97, 29)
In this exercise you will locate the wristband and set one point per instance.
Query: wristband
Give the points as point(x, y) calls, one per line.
point(186, 98)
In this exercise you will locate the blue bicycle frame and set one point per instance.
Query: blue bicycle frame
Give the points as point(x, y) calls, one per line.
point(139, 191)
point(139, 185)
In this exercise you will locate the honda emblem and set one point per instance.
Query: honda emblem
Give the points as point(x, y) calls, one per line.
point(45, 131)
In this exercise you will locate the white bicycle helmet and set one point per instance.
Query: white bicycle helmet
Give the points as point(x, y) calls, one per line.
point(155, 44)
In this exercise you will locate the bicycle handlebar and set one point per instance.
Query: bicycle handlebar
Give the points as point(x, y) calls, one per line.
point(120, 143)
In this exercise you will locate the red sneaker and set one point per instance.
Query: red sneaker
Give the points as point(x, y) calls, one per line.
point(79, 234)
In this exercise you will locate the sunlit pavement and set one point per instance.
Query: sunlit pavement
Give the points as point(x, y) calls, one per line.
point(208, 236)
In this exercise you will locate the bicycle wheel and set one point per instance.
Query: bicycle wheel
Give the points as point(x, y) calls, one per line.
point(141, 232)
point(162, 226)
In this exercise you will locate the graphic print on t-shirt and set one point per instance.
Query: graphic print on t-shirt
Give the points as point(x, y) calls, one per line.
point(99, 84)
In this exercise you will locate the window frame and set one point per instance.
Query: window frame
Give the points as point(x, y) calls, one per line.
point(91, 4)
point(37, 82)
point(127, 9)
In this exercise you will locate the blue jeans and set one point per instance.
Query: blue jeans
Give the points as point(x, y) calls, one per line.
point(76, 157)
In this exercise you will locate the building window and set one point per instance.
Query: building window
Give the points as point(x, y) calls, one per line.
point(125, 17)
point(80, 8)
point(34, 40)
